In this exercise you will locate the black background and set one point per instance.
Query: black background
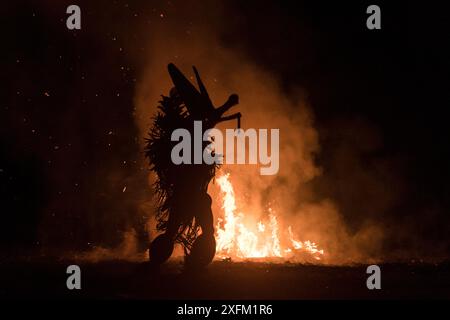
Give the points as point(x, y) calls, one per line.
point(63, 92)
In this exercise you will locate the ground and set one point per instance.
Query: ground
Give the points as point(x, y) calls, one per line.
point(222, 280)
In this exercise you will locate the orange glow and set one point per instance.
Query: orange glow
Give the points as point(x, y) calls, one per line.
point(236, 239)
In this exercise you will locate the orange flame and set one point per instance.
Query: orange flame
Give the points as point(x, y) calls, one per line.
point(235, 239)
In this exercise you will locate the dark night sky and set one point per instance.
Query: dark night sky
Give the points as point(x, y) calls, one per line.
point(69, 143)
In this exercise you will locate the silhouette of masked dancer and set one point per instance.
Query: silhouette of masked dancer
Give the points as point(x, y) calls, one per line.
point(184, 206)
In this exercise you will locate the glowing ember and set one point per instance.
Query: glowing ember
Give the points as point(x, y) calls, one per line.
point(237, 240)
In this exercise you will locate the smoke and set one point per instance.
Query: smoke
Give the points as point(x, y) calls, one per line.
point(127, 250)
point(70, 170)
point(263, 104)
